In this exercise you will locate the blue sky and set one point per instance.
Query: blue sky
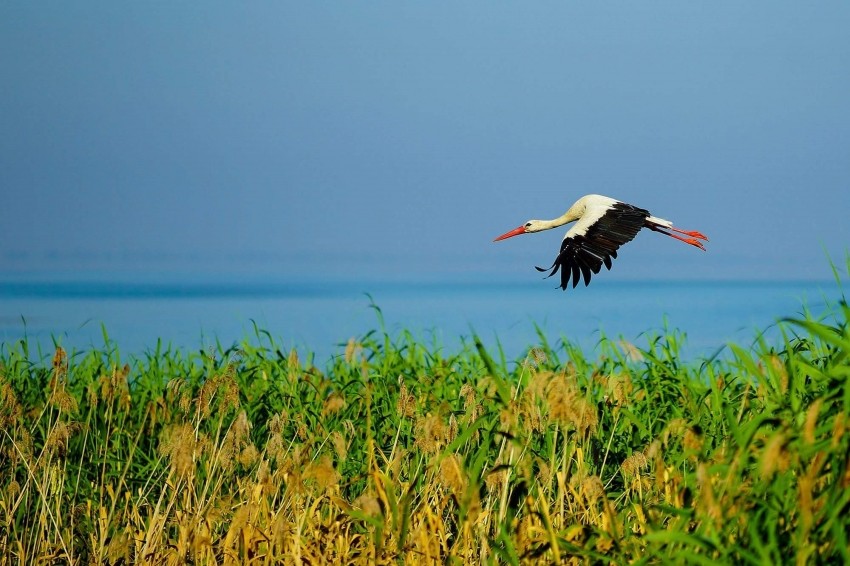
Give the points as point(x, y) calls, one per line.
point(397, 139)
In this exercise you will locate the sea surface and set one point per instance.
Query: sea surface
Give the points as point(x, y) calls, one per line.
point(318, 318)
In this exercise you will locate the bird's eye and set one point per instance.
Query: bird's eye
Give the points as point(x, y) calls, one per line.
point(528, 224)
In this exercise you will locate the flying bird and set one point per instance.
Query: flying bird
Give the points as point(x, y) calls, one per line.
point(603, 225)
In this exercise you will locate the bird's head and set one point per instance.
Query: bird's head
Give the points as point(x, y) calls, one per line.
point(527, 228)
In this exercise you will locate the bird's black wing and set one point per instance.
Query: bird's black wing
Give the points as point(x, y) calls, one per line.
point(583, 254)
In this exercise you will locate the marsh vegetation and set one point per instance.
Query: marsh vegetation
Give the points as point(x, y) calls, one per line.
point(398, 451)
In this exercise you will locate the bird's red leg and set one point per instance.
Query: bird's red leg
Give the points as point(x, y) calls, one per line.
point(692, 241)
point(691, 233)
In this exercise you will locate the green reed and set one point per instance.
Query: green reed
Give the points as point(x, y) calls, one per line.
point(401, 451)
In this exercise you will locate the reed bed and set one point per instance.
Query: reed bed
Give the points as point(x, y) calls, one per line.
point(399, 452)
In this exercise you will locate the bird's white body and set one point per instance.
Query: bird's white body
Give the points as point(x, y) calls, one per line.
point(587, 210)
point(602, 225)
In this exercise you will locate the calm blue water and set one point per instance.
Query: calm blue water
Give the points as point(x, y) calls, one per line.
point(321, 317)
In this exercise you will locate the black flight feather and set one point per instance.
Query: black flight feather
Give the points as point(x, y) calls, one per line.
point(582, 255)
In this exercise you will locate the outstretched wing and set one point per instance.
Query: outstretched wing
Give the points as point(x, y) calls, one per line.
point(594, 240)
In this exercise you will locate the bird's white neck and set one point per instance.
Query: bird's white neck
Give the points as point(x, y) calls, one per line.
point(566, 218)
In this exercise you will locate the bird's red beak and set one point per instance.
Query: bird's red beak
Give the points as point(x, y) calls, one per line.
point(511, 234)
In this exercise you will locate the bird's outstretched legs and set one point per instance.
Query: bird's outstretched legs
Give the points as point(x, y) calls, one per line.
point(691, 233)
point(693, 240)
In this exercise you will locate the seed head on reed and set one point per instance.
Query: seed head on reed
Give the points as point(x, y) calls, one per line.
point(275, 449)
point(545, 473)
point(839, 428)
point(114, 387)
point(21, 449)
point(775, 457)
point(538, 385)
point(467, 393)
point(394, 468)
point(277, 422)
point(60, 399)
point(180, 445)
point(265, 478)
point(60, 363)
point(488, 387)
point(230, 396)
point(631, 351)
point(498, 475)
point(621, 387)
point(241, 522)
point(527, 533)
point(538, 355)
point(323, 473)
point(654, 451)
point(249, 456)
point(634, 464)
point(592, 490)
point(368, 504)
point(178, 389)
point(241, 426)
point(773, 365)
point(352, 350)
point(812, 420)
point(453, 428)
point(224, 384)
point(340, 445)
point(707, 499)
point(508, 417)
point(692, 439)
point(56, 444)
point(430, 432)
point(235, 441)
point(587, 417)
point(406, 404)
point(808, 505)
point(13, 488)
point(293, 468)
point(57, 439)
point(604, 544)
point(471, 408)
point(534, 358)
point(334, 403)
point(10, 409)
point(292, 361)
point(452, 475)
point(531, 419)
point(561, 398)
point(301, 428)
point(779, 367)
point(674, 429)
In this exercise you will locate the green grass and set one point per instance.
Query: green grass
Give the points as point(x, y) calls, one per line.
point(402, 452)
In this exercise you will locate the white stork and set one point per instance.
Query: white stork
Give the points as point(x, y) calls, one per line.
point(604, 224)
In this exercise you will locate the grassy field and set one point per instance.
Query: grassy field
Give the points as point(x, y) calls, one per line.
point(402, 453)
